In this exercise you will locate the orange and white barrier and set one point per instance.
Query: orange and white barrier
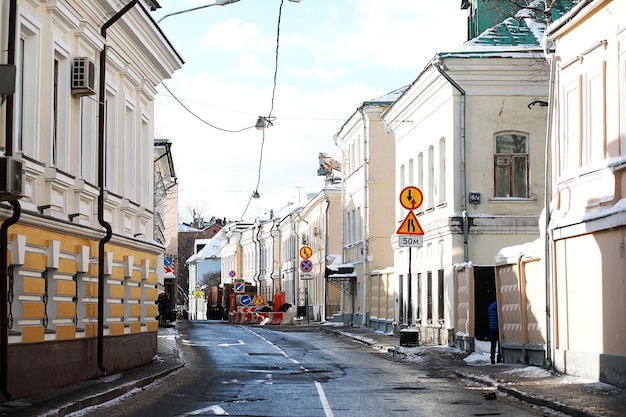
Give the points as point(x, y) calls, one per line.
point(241, 309)
point(270, 318)
point(244, 318)
point(276, 318)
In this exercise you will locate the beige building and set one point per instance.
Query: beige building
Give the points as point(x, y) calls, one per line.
point(320, 230)
point(78, 221)
point(588, 222)
point(268, 253)
point(368, 187)
point(470, 134)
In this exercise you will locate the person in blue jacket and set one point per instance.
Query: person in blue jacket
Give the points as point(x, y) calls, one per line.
point(494, 331)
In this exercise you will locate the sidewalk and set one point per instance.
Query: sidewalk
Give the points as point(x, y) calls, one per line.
point(63, 401)
point(567, 394)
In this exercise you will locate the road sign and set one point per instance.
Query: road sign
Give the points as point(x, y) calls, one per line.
point(258, 300)
point(305, 252)
point(232, 274)
point(245, 300)
point(197, 294)
point(410, 241)
point(306, 265)
point(239, 287)
point(411, 197)
point(410, 225)
point(306, 275)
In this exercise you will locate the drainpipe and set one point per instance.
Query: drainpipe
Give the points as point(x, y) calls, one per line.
point(326, 225)
point(548, 44)
point(101, 195)
point(365, 214)
point(437, 65)
point(257, 255)
point(342, 225)
point(273, 255)
point(4, 229)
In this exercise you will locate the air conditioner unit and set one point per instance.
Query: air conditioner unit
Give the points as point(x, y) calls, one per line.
point(11, 184)
point(83, 77)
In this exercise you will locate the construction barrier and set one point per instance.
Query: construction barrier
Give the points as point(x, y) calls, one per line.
point(276, 318)
point(241, 309)
point(271, 318)
point(244, 318)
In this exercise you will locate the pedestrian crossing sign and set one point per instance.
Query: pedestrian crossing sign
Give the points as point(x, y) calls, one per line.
point(410, 225)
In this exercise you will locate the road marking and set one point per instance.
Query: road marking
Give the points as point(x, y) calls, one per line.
point(239, 343)
point(322, 395)
point(187, 342)
point(282, 352)
point(216, 409)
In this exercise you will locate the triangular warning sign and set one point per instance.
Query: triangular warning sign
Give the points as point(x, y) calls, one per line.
point(410, 226)
point(259, 300)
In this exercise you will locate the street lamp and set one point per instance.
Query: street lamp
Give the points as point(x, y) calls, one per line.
point(217, 3)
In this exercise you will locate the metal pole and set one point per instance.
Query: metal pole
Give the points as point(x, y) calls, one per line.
point(409, 316)
point(306, 301)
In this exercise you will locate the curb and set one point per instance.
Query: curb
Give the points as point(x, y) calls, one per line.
point(523, 396)
point(503, 388)
point(111, 394)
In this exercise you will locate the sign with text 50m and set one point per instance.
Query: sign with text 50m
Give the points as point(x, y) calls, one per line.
point(410, 232)
point(410, 241)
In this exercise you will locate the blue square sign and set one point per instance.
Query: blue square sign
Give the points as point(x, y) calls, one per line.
point(474, 198)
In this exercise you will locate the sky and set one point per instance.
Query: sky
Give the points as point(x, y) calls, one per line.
point(332, 55)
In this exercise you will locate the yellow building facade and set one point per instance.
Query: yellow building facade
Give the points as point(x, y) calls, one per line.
point(80, 269)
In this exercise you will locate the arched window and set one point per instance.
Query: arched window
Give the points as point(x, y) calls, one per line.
point(510, 162)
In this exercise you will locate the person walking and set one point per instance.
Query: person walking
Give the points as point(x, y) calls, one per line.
point(494, 331)
point(163, 304)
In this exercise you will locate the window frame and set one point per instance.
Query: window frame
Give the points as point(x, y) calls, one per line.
point(509, 159)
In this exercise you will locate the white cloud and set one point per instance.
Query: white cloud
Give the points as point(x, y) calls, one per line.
point(332, 56)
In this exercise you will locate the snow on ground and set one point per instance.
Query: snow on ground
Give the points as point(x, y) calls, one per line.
point(480, 356)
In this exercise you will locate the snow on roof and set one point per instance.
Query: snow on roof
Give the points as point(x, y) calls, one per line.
point(212, 250)
point(520, 33)
point(388, 98)
point(185, 228)
point(517, 36)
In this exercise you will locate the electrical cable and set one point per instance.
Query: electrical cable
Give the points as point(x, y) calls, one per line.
point(269, 118)
point(201, 119)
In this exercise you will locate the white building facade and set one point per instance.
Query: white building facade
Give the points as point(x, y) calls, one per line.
point(470, 134)
point(588, 221)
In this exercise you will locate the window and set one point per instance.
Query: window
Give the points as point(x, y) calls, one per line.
point(55, 110)
point(88, 137)
point(419, 295)
point(420, 174)
point(110, 164)
point(142, 149)
point(429, 295)
point(430, 191)
point(440, 303)
point(511, 165)
point(131, 153)
point(441, 181)
point(26, 90)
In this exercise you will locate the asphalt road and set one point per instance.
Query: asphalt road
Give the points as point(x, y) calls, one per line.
point(257, 371)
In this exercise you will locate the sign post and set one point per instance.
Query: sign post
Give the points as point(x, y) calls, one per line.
point(411, 233)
